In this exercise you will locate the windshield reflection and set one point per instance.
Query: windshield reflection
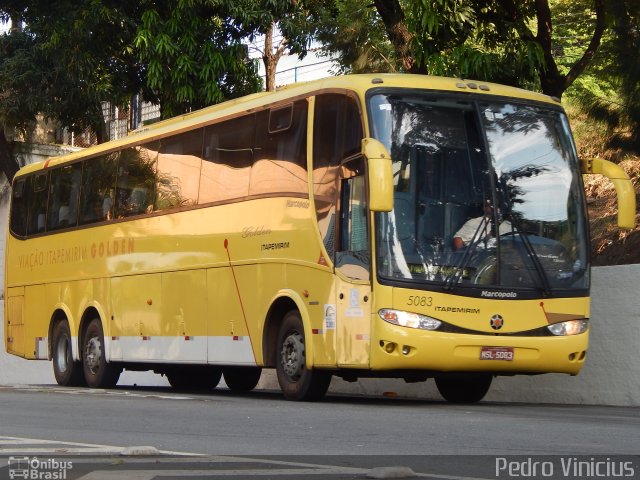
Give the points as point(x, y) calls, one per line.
point(485, 194)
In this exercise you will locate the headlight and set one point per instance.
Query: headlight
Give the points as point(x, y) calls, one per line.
point(571, 327)
point(407, 319)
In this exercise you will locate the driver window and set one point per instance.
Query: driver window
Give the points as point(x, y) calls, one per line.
point(337, 135)
point(352, 257)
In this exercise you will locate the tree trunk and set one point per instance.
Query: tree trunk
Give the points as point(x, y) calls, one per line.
point(551, 80)
point(100, 127)
point(8, 163)
point(16, 22)
point(399, 35)
point(267, 58)
point(270, 57)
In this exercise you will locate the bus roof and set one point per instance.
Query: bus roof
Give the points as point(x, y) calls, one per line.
point(359, 83)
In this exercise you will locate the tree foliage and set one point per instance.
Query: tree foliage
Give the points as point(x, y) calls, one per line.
point(184, 54)
point(498, 40)
point(609, 91)
point(71, 55)
point(60, 61)
point(74, 55)
point(193, 53)
point(351, 31)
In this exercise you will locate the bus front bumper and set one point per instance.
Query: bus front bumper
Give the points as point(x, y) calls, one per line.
point(400, 348)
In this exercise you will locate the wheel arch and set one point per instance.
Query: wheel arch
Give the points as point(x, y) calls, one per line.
point(281, 304)
point(92, 311)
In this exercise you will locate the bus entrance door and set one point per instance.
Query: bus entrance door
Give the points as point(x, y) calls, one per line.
point(353, 324)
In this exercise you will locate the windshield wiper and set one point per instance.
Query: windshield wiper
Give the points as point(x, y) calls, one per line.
point(542, 276)
point(464, 261)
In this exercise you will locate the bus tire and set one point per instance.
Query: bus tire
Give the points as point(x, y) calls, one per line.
point(199, 377)
point(67, 372)
point(97, 372)
point(296, 381)
point(464, 389)
point(241, 379)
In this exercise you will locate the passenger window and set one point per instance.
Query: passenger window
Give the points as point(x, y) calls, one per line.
point(37, 199)
point(280, 154)
point(19, 208)
point(280, 118)
point(98, 189)
point(136, 180)
point(179, 166)
point(228, 155)
point(63, 197)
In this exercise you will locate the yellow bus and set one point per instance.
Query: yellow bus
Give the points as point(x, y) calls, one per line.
point(397, 226)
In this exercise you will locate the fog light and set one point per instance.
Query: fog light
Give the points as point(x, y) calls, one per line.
point(390, 347)
point(406, 349)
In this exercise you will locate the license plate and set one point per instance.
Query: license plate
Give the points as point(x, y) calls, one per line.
point(496, 353)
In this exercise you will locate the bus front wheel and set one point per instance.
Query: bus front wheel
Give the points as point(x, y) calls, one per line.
point(296, 381)
point(97, 372)
point(67, 372)
point(464, 389)
point(242, 379)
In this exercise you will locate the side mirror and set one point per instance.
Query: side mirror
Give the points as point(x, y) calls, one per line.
point(380, 175)
point(624, 188)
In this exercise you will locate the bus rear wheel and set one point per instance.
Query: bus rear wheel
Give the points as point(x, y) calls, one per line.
point(67, 372)
point(464, 389)
point(199, 377)
point(296, 381)
point(97, 372)
point(242, 379)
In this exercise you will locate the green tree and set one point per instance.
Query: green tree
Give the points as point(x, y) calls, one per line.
point(72, 55)
point(350, 31)
point(281, 23)
point(610, 90)
point(61, 60)
point(193, 53)
point(499, 40)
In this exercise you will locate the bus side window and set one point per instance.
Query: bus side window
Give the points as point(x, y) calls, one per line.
point(63, 198)
point(98, 183)
point(179, 166)
point(280, 154)
point(19, 208)
point(136, 180)
point(37, 200)
point(228, 155)
point(352, 257)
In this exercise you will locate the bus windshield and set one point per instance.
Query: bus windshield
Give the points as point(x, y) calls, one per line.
point(486, 193)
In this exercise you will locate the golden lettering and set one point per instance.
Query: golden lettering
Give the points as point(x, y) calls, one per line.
point(76, 253)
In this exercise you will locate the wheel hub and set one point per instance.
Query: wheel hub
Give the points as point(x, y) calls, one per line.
point(292, 356)
point(62, 354)
point(93, 354)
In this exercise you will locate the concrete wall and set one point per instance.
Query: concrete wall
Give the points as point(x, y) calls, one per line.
point(610, 376)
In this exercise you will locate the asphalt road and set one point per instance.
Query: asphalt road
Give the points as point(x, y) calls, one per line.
point(341, 437)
